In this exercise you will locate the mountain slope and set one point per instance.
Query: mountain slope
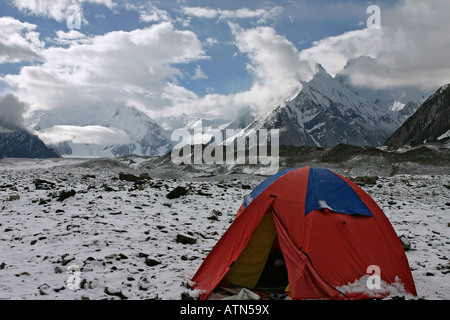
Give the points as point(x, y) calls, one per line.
point(19, 143)
point(326, 113)
point(430, 123)
point(145, 137)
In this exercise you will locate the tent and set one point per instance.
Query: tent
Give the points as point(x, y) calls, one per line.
point(327, 230)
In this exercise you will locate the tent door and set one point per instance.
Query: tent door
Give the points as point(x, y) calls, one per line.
point(247, 269)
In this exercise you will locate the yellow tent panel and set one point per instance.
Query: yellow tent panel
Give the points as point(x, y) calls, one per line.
point(247, 269)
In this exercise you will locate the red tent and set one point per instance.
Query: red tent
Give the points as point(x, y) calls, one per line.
point(328, 230)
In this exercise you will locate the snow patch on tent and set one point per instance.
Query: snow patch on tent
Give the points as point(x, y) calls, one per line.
point(323, 204)
point(385, 290)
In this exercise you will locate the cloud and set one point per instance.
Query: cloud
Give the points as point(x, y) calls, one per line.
point(83, 135)
point(275, 66)
point(55, 9)
point(18, 41)
point(199, 74)
point(148, 12)
point(263, 15)
point(12, 111)
point(70, 37)
point(135, 67)
point(411, 49)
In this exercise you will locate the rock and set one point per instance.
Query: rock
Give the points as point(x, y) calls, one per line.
point(115, 292)
point(131, 177)
point(43, 289)
point(362, 181)
point(405, 242)
point(177, 192)
point(3, 266)
point(58, 270)
point(183, 239)
point(14, 196)
point(43, 184)
point(186, 296)
point(246, 186)
point(66, 259)
point(66, 194)
point(204, 192)
point(145, 176)
point(215, 215)
point(151, 262)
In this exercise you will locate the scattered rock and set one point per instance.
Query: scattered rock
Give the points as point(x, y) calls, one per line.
point(184, 239)
point(204, 192)
point(66, 194)
point(365, 180)
point(186, 296)
point(151, 262)
point(43, 184)
point(66, 259)
point(177, 192)
point(215, 215)
point(14, 196)
point(43, 289)
point(115, 292)
point(405, 242)
point(132, 178)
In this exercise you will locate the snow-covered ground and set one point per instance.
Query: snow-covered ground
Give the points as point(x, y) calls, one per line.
point(126, 240)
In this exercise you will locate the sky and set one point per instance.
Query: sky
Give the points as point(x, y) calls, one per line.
point(214, 59)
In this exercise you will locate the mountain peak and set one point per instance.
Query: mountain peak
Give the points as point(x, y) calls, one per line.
point(318, 69)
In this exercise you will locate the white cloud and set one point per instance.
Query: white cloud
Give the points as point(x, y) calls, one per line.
point(148, 12)
point(277, 71)
point(55, 9)
point(83, 135)
point(199, 74)
point(12, 111)
point(18, 41)
point(118, 67)
point(70, 37)
point(263, 15)
point(411, 49)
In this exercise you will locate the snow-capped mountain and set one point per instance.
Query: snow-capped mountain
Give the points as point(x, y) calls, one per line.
point(130, 131)
point(325, 112)
point(430, 123)
point(19, 143)
point(188, 122)
point(403, 100)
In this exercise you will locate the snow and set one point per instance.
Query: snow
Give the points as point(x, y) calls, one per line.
point(443, 136)
point(124, 241)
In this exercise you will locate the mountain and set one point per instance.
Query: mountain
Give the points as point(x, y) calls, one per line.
point(188, 122)
point(403, 100)
point(326, 113)
point(143, 135)
point(16, 142)
point(430, 123)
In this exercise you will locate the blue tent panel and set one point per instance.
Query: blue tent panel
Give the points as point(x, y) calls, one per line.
point(326, 190)
point(263, 186)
